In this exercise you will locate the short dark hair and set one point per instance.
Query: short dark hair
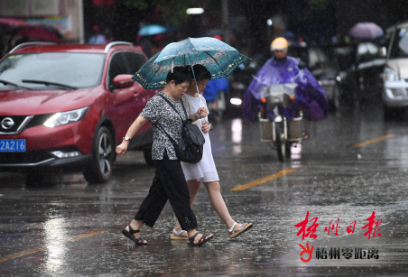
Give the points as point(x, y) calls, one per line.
point(179, 75)
point(201, 73)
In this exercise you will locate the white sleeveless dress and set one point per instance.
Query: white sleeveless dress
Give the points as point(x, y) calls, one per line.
point(204, 170)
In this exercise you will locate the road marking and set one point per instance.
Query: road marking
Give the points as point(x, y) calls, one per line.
point(265, 179)
point(373, 140)
point(41, 248)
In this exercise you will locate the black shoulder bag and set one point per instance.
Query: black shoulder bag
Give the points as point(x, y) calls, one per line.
point(190, 148)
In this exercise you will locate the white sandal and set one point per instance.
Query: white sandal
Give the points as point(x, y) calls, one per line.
point(178, 234)
point(241, 230)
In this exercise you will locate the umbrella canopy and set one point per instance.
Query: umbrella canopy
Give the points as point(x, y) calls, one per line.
point(11, 22)
point(40, 32)
point(151, 30)
point(366, 30)
point(218, 57)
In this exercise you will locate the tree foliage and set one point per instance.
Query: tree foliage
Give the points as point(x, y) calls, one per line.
point(173, 12)
point(138, 4)
point(319, 4)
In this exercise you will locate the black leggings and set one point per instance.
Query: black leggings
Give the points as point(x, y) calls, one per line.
point(170, 184)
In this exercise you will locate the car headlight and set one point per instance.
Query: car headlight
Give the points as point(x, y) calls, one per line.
point(342, 75)
point(63, 118)
point(390, 75)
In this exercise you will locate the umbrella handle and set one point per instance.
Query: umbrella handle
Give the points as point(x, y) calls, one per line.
point(198, 92)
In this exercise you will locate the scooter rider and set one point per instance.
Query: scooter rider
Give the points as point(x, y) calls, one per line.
point(279, 48)
point(283, 69)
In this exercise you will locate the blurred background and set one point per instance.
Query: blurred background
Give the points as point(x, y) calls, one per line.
point(320, 33)
point(249, 26)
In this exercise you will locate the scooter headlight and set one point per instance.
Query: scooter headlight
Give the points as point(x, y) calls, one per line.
point(237, 101)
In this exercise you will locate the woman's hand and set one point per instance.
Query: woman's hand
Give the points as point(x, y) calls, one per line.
point(202, 112)
point(205, 127)
point(121, 148)
point(136, 125)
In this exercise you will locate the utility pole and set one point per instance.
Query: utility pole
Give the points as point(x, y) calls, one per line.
point(81, 21)
point(225, 21)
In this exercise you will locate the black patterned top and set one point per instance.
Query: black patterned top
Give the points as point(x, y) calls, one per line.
point(157, 110)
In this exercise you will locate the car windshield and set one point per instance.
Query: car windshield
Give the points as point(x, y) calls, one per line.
point(78, 70)
point(400, 44)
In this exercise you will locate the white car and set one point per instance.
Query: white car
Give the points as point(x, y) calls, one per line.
point(395, 92)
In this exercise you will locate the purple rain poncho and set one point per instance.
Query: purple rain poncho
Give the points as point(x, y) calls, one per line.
point(310, 96)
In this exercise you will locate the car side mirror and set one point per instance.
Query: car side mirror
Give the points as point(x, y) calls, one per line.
point(382, 52)
point(123, 81)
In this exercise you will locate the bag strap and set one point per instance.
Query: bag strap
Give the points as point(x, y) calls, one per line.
point(159, 125)
point(171, 105)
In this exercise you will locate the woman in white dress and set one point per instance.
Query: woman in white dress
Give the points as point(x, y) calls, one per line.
point(205, 171)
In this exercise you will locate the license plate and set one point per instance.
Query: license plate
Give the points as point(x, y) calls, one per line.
point(12, 145)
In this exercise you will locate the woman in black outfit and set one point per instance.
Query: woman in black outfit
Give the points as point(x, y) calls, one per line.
point(169, 182)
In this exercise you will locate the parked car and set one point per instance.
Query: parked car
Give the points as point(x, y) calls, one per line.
point(395, 91)
point(360, 72)
point(65, 107)
point(349, 74)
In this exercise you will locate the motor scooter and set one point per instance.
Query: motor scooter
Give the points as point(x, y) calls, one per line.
point(280, 133)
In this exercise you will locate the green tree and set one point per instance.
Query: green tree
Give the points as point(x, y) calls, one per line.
point(319, 4)
point(172, 11)
point(139, 4)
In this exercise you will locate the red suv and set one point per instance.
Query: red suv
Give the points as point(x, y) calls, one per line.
point(67, 107)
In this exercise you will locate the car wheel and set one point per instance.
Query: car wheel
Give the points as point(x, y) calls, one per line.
point(100, 169)
point(147, 154)
point(288, 150)
point(280, 142)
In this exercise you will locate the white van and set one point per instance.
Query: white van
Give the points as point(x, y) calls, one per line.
point(395, 92)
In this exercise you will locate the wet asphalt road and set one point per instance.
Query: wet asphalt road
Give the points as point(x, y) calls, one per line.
point(73, 229)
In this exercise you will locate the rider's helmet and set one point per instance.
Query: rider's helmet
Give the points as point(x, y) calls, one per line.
point(279, 44)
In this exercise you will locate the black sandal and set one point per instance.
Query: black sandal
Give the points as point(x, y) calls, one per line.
point(203, 240)
point(129, 235)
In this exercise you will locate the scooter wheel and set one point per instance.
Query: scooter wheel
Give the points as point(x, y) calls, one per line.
point(280, 142)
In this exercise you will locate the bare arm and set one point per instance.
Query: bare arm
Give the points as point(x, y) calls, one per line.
point(193, 117)
point(136, 125)
point(201, 113)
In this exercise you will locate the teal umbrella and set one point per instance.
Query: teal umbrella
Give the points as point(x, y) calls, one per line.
point(218, 57)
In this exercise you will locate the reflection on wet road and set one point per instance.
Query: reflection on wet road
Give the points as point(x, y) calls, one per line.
point(326, 176)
